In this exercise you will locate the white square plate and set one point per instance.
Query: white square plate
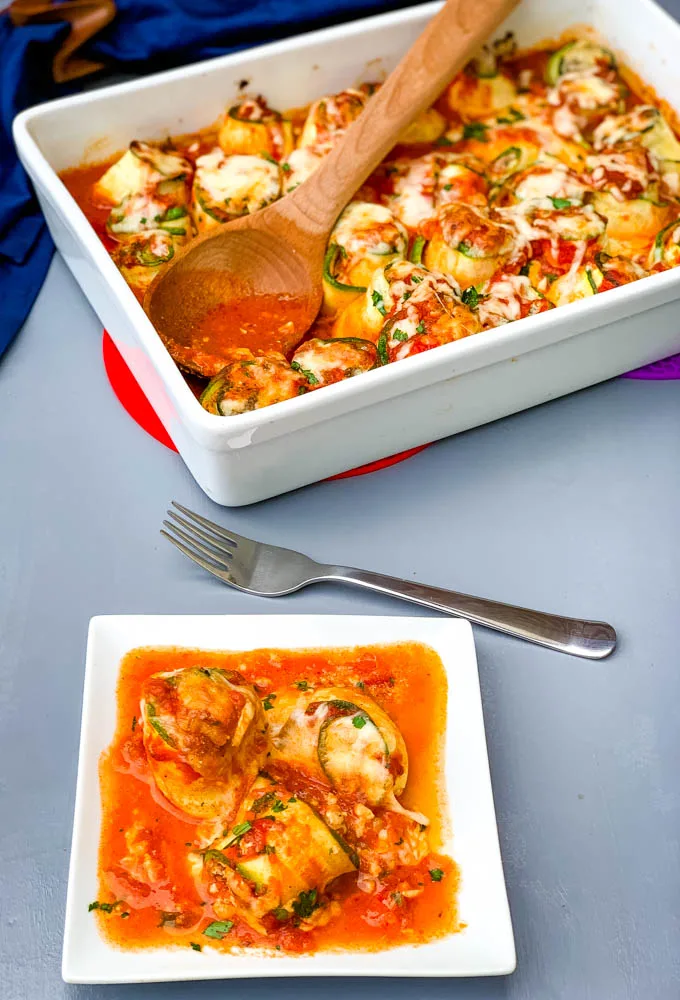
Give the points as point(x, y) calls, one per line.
point(484, 948)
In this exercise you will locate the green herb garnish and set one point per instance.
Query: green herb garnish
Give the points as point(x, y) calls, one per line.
point(305, 904)
point(281, 913)
point(157, 725)
point(241, 828)
point(218, 928)
point(267, 703)
point(196, 947)
point(359, 721)
point(313, 380)
point(399, 334)
point(560, 203)
point(436, 874)
point(377, 300)
point(420, 328)
point(177, 212)
point(470, 297)
point(302, 685)
point(475, 130)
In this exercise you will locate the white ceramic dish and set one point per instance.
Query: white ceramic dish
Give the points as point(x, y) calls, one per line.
point(486, 945)
point(239, 460)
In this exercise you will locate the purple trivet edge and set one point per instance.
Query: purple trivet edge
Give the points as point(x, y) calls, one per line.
point(669, 368)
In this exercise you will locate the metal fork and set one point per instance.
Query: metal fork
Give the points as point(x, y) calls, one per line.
point(271, 571)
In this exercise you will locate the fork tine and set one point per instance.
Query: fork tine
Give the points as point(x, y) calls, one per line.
point(229, 536)
point(224, 550)
point(223, 575)
point(190, 540)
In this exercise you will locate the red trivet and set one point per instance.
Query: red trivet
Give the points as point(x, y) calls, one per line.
point(133, 400)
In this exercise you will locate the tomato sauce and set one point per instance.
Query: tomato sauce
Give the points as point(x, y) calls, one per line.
point(145, 877)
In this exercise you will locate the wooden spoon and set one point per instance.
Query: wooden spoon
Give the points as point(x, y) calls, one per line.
point(271, 262)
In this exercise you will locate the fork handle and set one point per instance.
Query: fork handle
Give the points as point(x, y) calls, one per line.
point(593, 640)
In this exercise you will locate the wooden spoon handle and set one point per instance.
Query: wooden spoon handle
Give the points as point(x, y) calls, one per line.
point(449, 40)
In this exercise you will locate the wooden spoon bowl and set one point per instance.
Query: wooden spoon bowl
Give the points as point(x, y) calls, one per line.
point(262, 273)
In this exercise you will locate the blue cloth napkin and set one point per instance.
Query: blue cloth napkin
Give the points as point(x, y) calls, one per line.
point(145, 36)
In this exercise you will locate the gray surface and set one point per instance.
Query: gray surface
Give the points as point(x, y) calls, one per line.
point(571, 507)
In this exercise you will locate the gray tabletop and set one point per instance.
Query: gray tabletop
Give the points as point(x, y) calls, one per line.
point(571, 507)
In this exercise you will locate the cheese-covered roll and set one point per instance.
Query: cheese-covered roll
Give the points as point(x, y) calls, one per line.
point(617, 271)
point(419, 186)
point(251, 384)
point(430, 316)
point(140, 213)
point(141, 258)
point(365, 237)
point(480, 90)
point(342, 737)
point(460, 178)
point(365, 317)
point(578, 59)
point(551, 180)
point(251, 127)
point(576, 283)
point(204, 736)
point(465, 242)
point(228, 186)
point(539, 219)
point(329, 117)
point(323, 362)
point(585, 88)
point(144, 168)
point(624, 173)
point(632, 225)
point(274, 862)
point(507, 297)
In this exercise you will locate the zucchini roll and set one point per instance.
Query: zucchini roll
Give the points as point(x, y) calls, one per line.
point(143, 168)
point(365, 237)
point(465, 242)
point(624, 173)
point(274, 864)
point(580, 58)
point(666, 247)
point(251, 127)
point(140, 258)
point(578, 283)
point(481, 88)
point(632, 225)
point(322, 362)
point(342, 738)
point(646, 126)
point(249, 385)
point(204, 736)
point(365, 317)
point(551, 180)
point(300, 165)
point(228, 186)
point(505, 298)
point(329, 117)
point(141, 213)
point(420, 186)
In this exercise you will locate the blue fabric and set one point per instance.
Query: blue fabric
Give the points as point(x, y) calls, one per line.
point(145, 36)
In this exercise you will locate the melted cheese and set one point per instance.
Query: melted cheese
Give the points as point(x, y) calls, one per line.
point(236, 184)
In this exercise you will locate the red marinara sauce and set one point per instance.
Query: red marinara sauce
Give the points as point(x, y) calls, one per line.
point(144, 869)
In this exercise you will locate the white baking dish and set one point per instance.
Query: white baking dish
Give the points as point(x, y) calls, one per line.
point(242, 459)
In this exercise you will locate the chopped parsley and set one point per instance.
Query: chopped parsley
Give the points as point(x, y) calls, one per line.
point(278, 806)
point(399, 334)
point(443, 141)
point(524, 269)
point(359, 721)
point(447, 187)
point(176, 212)
point(398, 898)
point(475, 130)
point(305, 904)
point(302, 685)
point(406, 296)
point(218, 928)
point(420, 328)
point(268, 702)
point(241, 828)
point(551, 278)
point(560, 203)
point(292, 799)
point(271, 159)
point(285, 167)
point(281, 913)
point(104, 907)
point(195, 946)
point(415, 279)
point(470, 297)
point(382, 349)
point(313, 380)
point(436, 874)
point(464, 247)
point(143, 220)
point(377, 300)
point(360, 685)
point(512, 115)
point(591, 280)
